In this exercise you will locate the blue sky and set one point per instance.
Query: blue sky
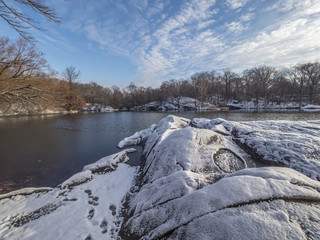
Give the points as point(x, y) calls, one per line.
point(115, 42)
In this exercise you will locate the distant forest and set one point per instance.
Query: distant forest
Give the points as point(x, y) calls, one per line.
point(27, 84)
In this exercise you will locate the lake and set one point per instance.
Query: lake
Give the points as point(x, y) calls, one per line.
point(45, 150)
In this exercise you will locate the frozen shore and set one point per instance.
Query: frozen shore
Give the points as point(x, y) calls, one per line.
point(200, 179)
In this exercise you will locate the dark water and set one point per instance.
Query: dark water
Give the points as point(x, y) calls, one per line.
point(45, 150)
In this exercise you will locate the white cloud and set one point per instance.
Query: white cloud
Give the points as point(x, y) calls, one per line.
point(178, 42)
point(165, 45)
point(304, 7)
point(242, 24)
point(234, 4)
point(205, 24)
point(290, 43)
point(235, 27)
point(247, 17)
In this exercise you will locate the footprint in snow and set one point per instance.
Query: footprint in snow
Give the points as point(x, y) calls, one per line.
point(93, 200)
point(88, 237)
point(104, 226)
point(113, 209)
point(88, 191)
point(90, 214)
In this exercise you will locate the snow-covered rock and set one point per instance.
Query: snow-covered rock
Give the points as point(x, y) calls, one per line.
point(310, 106)
point(109, 162)
point(25, 191)
point(98, 108)
point(176, 104)
point(197, 182)
point(77, 179)
point(261, 104)
point(200, 179)
point(292, 144)
point(136, 138)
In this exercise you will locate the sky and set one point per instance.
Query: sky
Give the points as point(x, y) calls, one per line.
point(116, 42)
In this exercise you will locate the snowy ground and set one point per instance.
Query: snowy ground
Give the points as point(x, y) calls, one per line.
point(201, 179)
point(86, 206)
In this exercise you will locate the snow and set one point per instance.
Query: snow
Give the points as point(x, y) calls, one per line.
point(199, 183)
point(262, 105)
point(218, 125)
point(271, 105)
point(310, 106)
point(89, 209)
point(77, 179)
point(24, 191)
point(176, 104)
point(98, 108)
point(200, 179)
point(227, 193)
point(293, 144)
point(109, 162)
point(136, 138)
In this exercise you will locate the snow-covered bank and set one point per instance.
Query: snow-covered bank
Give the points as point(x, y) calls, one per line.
point(89, 108)
point(25, 113)
point(200, 179)
point(262, 105)
point(175, 104)
point(98, 108)
point(196, 184)
point(86, 206)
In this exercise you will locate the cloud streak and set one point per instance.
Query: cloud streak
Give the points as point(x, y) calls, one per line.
point(235, 4)
point(173, 41)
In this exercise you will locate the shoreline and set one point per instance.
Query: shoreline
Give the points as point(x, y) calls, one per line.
point(249, 110)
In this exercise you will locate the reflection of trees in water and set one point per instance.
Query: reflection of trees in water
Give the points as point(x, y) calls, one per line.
point(11, 185)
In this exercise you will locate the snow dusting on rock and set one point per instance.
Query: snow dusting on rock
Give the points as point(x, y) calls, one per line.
point(109, 162)
point(199, 179)
point(204, 180)
point(77, 179)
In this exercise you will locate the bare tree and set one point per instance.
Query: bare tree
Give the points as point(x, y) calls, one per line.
point(132, 95)
point(21, 68)
point(71, 75)
point(299, 76)
point(178, 90)
point(174, 89)
point(313, 78)
point(282, 88)
point(203, 87)
point(116, 100)
point(200, 84)
point(228, 77)
point(20, 21)
point(73, 102)
point(262, 78)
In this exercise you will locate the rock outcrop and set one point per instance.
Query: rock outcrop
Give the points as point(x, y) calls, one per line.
point(198, 182)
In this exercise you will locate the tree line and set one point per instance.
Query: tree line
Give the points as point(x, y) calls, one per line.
point(299, 84)
point(27, 84)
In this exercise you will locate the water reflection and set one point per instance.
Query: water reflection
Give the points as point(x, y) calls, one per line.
point(46, 150)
